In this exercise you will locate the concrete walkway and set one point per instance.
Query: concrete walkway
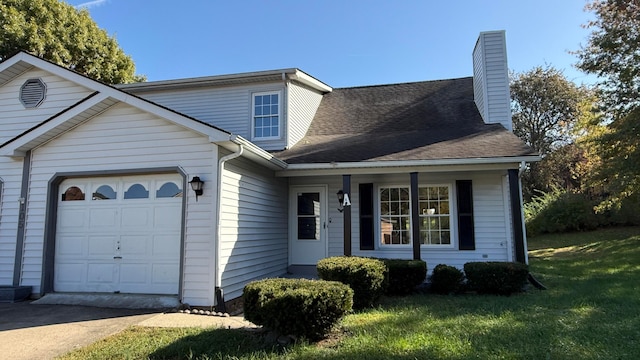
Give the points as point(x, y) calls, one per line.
point(29, 331)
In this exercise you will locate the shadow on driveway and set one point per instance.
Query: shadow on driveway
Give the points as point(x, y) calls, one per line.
point(25, 315)
point(29, 331)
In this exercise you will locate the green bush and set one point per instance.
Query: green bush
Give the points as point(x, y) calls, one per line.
point(301, 307)
point(561, 211)
point(364, 275)
point(502, 278)
point(404, 275)
point(446, 280)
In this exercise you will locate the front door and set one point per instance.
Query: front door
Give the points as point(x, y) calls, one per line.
point(308, 239)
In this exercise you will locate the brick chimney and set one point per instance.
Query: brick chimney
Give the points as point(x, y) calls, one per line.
point(491, 79)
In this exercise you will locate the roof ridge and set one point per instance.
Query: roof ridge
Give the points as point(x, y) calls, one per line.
point(404, 83)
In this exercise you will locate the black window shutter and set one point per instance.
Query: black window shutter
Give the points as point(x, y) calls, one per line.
point(366, 217)
point(466, 236)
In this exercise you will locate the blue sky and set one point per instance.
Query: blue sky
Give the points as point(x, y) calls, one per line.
point(341, 42)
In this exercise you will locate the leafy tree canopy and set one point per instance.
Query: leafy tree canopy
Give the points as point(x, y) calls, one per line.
point(613, 52)
point(545, 106)
point(56, 31)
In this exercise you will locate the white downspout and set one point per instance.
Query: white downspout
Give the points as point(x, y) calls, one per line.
point(219, 294)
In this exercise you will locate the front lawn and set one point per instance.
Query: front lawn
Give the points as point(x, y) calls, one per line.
point(590, 311)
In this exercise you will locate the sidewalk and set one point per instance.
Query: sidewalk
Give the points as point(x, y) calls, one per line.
point(29, 331)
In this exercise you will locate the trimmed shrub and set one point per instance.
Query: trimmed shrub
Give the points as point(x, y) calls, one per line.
point(301, 307)
point(404, 275)
point(446, 280)
point(502, 278)
point(364, 275)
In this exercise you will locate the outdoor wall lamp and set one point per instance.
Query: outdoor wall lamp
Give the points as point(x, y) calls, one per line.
point(196, 186)
point(343, 200)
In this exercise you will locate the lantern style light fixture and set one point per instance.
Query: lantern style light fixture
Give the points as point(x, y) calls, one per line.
point(196, 186)
point(340, 195)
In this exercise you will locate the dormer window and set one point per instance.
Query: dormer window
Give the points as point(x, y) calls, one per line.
point(266, 115)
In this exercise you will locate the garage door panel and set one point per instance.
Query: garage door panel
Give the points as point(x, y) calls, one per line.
point(135, 217)
point(112, 242)
point(71, 273)
point(102, 217)
point(102, 246)
point(134, 245)
point(164, 274)
point(134, 274)
point(70, 245)
point(101, 273)
point(71, 219)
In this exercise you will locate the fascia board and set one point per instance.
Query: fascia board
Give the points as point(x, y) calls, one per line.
point(254, 152)
point(389, 167)
point(309, 80)
point(213, 133)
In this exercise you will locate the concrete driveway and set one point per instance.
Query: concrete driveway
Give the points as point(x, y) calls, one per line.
point(29, 331)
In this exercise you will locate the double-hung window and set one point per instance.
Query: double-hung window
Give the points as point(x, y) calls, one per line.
point(266, 117)
point(395, 216)
point(434, 215)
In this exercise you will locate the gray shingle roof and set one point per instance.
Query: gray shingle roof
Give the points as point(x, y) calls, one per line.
point(411, 121)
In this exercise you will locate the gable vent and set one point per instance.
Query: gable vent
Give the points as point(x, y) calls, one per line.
point(32, 93)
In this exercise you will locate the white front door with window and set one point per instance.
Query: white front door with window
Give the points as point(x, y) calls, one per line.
point(308, 235)
point(119, 234)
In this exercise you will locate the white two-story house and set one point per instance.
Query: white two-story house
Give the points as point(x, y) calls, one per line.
point(96, 181)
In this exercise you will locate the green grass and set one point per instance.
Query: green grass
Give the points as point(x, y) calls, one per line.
point(590, 311)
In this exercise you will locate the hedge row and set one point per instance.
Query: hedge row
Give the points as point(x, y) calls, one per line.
point(502, 278)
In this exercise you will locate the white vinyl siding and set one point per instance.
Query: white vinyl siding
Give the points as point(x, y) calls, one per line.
point(10, 184)
point(303, 104)
point(15, 118)
point(254, 226)
point(124, 138)
point(492, 225)
point(491, 79)
point(228, 108)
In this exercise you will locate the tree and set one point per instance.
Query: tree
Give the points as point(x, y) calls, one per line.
point(56, 31)
point(613, 53)
point(545, 106)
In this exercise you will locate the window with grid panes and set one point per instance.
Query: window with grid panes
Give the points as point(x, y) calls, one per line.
point(395, 216)
point(266, 115)
point(435, 215)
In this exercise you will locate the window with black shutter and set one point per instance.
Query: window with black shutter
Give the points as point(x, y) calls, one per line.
point(366, 217)
point(466, 234)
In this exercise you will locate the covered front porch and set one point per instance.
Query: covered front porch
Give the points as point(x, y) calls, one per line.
point(442, 215)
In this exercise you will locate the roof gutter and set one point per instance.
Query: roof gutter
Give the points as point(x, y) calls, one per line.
point(411, 163)
point(308, 80)
point(258, 152)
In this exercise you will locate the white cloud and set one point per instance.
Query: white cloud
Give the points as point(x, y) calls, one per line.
point(90, 4)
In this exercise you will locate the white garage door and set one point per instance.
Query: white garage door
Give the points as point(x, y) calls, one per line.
point(119, 234)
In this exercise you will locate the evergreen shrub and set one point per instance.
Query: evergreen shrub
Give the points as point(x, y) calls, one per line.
point(493, 277)
point(300, 307)
point(404, 275)
point(366, 276)
point(447, 280)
